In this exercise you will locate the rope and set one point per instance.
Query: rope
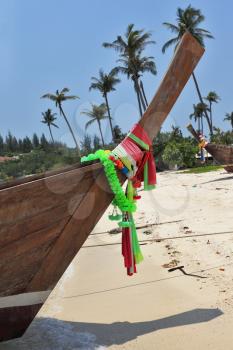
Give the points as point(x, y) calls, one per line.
point(162, 239)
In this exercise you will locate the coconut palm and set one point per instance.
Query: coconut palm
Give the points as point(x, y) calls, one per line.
point(198, 113)
point(134, 69)
point(229, 117)
point(188, 20)
point(96, 114)
point(130, 48)
point(49, 119)
point(212, 97)
point(59, 97)
point(105, 84)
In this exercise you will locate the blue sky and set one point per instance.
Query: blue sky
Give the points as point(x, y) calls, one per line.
point(50, 44)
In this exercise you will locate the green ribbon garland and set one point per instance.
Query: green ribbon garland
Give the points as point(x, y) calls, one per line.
point(123, 202)
point(120, 199)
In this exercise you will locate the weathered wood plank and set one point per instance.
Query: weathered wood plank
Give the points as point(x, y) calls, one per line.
point(12, 232)
point(22, 202)
point(32, 178)
point(32, 241)
point(16, 273)
point(74, 235)
point(172, 85)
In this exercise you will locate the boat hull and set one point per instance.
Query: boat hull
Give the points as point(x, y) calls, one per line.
point(223, 154)
point(15, 320)
point(46, 219)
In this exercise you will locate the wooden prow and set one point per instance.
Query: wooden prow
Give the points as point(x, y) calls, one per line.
point(186, 57)
point(193, 132)
point(99, 195)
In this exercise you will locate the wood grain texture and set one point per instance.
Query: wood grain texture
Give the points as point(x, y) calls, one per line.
point(74, 234)
point(186, 57)
point(27, 200)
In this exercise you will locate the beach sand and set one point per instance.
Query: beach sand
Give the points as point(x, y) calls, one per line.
point(97, 306)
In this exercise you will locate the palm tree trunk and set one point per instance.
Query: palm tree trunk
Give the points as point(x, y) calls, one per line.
point(202, 126)
point(140, 94)
point(198, 124)
point(51, 133)
point(211, 118)
point(143, 93)
point(109, 117)
point(139, 101)
point(201, 100)
point(101, 134)
point(71, 131)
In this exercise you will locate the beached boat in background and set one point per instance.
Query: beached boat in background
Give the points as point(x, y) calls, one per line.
point(223, 154)
point(45, 219)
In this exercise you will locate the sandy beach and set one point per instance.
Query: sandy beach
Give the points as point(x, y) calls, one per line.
point(97, 306)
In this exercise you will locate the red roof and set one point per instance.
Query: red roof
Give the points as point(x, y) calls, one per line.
point(4, 159)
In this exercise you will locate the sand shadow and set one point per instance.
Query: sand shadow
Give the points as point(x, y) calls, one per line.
point(53, 334)
point(118, 333)
point(218, 180)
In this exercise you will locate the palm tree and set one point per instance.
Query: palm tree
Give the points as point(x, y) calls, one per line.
point(130, 49)
point(96, 114)
point(188, 20)
point(229, 117)
point(49, 119)
point(198, 112)
point(59, 97)
point(134, 69)
point(212, 97)
point(105, 84)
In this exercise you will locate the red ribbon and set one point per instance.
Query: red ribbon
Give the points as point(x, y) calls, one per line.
point(140, 154)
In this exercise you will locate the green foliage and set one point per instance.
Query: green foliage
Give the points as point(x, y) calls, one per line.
point(97, 113)
point(187, 19)
point(37, 161)
point(86, 144)
point(180, 154)
point(222, 137)
point(203, 169)
point(1, 146)
point(172, 155)
point(118, 135)
point(132, 62)
point(159, 144)
point(96, 143)
point(229, 117)
point(188, 151)
point(44, 144)
point(35, 141)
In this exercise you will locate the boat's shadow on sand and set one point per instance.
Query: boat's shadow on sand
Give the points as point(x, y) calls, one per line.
point(53, 334)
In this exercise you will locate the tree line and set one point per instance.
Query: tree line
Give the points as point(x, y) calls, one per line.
point(13, 145)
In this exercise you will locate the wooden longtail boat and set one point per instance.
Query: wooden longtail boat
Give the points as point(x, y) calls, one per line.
point(46, 219)
point(223, 154)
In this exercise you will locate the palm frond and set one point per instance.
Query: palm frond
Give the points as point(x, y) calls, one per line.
point(170, 43)
point(65, 90)
point(71, 97)
point(171, 26)
point(90, 122)
point(49, 96)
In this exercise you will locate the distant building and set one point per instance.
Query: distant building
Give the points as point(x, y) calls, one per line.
point(5, 159)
